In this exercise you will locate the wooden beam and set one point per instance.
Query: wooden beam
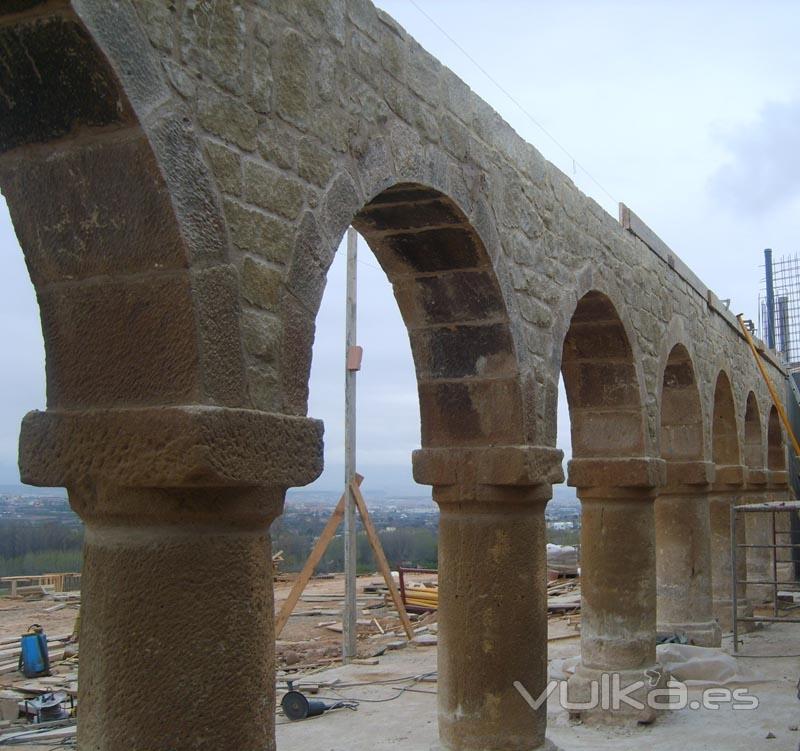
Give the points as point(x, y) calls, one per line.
point(311, 563)
point(380, 559)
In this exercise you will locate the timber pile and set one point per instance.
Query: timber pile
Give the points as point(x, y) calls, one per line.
point(564, 595)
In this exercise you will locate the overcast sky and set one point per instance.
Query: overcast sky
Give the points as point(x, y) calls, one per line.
point(689, 112)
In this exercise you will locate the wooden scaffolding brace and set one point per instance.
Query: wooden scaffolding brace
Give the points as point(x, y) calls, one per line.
point(322, 545)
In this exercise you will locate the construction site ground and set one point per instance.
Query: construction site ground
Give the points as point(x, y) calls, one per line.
point(395, 686)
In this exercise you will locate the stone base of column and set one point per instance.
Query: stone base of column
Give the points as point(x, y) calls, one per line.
point(708, 634)
point(548, 745)
point(723, 612)
point(606, 700)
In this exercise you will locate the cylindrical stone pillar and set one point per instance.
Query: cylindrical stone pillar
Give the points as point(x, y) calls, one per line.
point(725, 493)
point(177, 631)
point(492, 619)
point(683, 566)
point(492, 593)
point(618, 600)
point(778, 484)
point(758, 531)
point(177, 611)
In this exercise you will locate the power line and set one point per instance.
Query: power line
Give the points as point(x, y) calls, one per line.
point(575, 162)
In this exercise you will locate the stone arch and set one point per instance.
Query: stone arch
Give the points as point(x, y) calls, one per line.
point(753, 438)
point(724, 431)
point(601, 381)
point(776, 445)
point(116, 214)
point(681, 427)
point(452, 303)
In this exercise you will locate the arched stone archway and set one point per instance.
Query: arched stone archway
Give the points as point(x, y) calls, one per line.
point(778, 488)
point(616, 486)
point(757, 527)
point(727, 489)
point(776, 444)
point(179, 177)
point(753, 435)
point(490, 485)
point(683, 553)
point(149, 423)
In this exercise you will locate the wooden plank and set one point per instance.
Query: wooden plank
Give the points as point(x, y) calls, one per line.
point(380, 558)
point(313, 559)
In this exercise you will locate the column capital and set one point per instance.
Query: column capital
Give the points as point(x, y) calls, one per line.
point(755, 478)
point(729, 476)
point(517, 466)
point(623, 472)
point(170, 447)
point(688, 477)
point(777, 478)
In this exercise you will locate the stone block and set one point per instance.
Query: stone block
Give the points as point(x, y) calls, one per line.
point(252, 231)
point(293, 67)
point(471, 413)
point(77, 214)
point(213, 41)
point(215, 292)
point(442, 249)
point(261, 334)
point(122, 342)
point(43, 99)
point(460, 351)
point(315, 164)
point(604, 433)
point(686, 473)
point(453, 297)
point(261, 284)
point(181, 446)
point(228, 118)
point(261, 86)
point(616, 473)
point(272, 190)
point(226, 165)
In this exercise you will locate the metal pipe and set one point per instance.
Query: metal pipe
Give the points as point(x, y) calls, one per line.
point(774, 565)
point(350, 612)
point(770, 299)
point(734, 583)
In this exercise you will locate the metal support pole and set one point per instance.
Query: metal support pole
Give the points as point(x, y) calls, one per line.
point(734, 581)
point(775, 564)
point(349, 616)
point(783, 328)
point(770, 299)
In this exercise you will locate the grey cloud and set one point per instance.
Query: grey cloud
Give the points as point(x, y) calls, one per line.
point(764, 170)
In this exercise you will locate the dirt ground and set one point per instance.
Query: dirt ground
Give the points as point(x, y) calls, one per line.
point(393, 692)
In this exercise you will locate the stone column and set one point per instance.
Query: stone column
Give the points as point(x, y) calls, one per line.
point(618, 586)
point(177, 633)
point(758, 531)
point(726, 492)
point(778, 488)
point(492, 593)
point(683, 554)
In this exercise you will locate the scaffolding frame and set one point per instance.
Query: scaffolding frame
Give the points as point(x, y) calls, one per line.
point(774, 508)
point(780, 290)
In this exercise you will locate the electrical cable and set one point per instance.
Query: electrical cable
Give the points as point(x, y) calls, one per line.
point(575, 162)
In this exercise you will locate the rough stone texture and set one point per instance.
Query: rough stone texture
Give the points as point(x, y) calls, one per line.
point(195, 567)
point(618, 598)
point(479, 547)
point(170, 447)
point(80, 94)
point(180, 181)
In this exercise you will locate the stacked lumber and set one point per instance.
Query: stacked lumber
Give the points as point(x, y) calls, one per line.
point(425, 595)
point(564, 596)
